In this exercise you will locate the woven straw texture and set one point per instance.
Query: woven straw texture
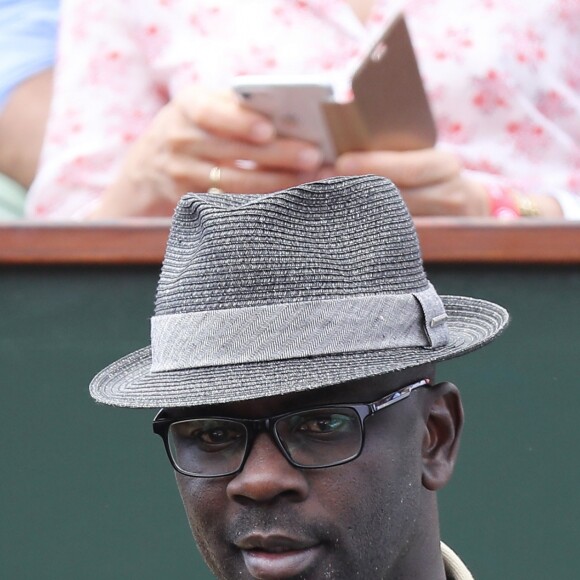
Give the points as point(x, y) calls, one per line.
point(334, 239)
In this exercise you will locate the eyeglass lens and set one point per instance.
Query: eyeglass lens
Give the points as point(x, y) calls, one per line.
point(320, 437)
point(312, 438)
point(208, 447)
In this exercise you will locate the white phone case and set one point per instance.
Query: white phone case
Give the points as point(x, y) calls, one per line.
point(293, 105)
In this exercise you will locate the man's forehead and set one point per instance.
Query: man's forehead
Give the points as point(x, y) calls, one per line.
point(361, 390)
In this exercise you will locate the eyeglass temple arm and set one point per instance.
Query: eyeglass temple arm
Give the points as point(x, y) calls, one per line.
point(397, 396)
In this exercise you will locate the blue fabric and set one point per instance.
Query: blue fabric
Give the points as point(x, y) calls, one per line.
point(28, 30)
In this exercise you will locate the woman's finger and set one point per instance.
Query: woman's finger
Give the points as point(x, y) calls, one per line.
point(196, 175)
point(289, 154)
point(223, 114)
point(404, 168)
point(458, 196)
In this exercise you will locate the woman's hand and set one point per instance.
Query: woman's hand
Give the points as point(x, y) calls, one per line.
point(430, 180)
point(195, 132)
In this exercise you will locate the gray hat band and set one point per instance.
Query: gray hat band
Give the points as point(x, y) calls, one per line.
point(298, 329)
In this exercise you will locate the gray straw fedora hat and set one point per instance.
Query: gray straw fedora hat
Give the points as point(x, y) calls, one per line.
point(315, 285)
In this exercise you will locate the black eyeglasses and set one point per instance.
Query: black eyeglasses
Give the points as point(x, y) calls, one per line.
point(312, 438)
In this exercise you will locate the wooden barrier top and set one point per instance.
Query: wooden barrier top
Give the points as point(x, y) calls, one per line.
point(142, 241)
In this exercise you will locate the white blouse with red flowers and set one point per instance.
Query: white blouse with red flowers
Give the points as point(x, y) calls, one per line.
point(503, 77)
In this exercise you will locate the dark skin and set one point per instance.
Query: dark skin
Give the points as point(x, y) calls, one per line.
point(375, 517)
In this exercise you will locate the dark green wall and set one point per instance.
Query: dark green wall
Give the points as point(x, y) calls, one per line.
point(85, 490)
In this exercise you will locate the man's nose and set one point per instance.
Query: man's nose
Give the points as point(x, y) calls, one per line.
point(267, 475)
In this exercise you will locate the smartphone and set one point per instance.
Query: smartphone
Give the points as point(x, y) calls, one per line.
point(293, 104)
point(389, 109)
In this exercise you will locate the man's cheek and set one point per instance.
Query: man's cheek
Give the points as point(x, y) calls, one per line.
point(204, 510)
point(202, 504)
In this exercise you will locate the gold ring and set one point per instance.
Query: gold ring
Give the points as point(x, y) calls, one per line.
point(215, 175)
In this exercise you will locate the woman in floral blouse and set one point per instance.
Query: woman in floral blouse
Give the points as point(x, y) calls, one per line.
point(142, 109)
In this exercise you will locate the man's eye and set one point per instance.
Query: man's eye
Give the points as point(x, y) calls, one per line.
point(324, 424)
point(217, 436)
point(207, 435)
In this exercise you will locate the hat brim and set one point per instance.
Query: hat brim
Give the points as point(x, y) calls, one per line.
point(129, 381)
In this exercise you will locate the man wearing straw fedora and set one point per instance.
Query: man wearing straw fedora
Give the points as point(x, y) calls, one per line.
point(293, 352)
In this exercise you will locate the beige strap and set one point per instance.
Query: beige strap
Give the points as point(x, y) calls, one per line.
point(455, 569)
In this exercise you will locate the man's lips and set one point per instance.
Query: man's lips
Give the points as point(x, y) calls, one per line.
point(274, 542)
point(277, 556)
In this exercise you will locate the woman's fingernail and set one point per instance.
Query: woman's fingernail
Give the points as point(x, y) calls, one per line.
point(262, 131)
point(309, 158)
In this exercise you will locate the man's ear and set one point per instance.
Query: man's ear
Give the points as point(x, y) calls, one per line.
point(443, 425)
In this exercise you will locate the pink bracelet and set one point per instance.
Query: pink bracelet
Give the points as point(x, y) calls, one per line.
point(502, 204)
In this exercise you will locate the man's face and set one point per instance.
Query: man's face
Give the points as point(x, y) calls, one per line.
point(359, 519)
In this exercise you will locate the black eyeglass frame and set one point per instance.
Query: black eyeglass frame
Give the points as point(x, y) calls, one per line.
point(162, 424)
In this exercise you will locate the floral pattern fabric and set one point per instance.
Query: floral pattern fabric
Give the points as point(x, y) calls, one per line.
point(503, 78)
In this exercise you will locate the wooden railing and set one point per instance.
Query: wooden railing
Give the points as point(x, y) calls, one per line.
point(443, 240)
